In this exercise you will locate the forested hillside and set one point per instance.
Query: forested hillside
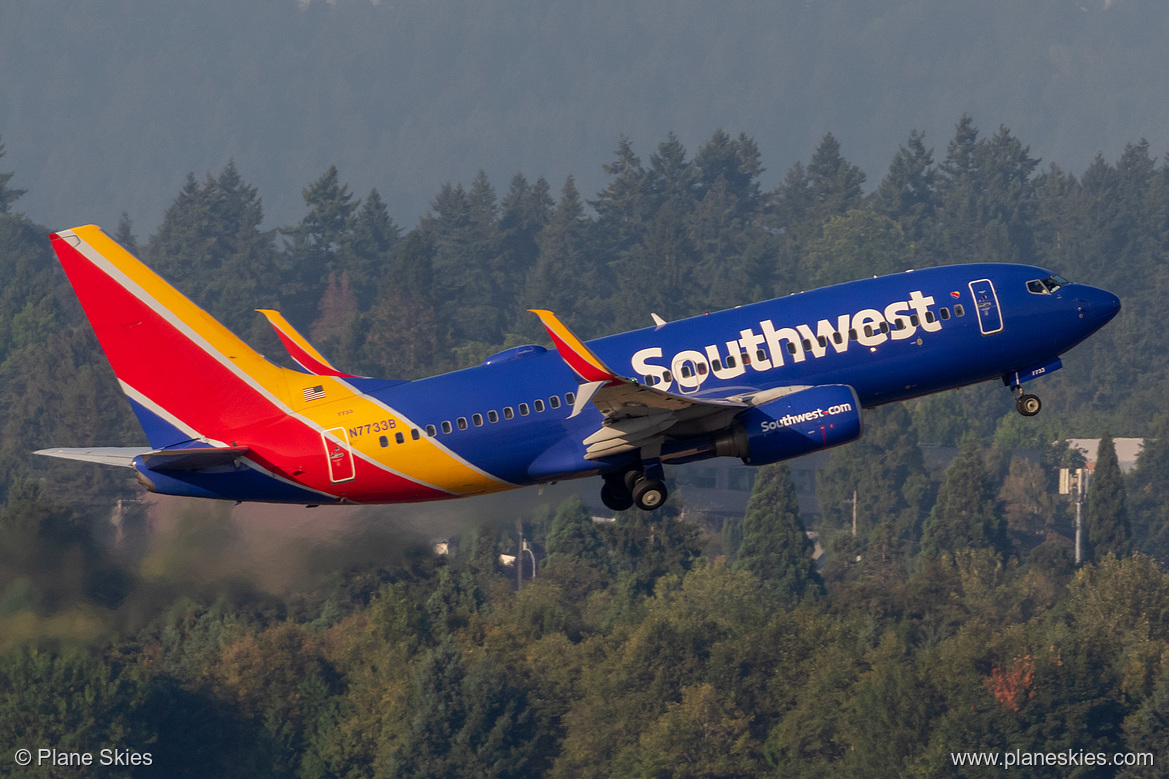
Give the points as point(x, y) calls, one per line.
point(953, 620)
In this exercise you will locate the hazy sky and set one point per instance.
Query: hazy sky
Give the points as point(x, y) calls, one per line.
point(105, 109)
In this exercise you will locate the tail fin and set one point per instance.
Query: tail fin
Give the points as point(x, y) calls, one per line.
point(186, 375)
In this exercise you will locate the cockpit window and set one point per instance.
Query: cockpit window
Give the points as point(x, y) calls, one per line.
point(1046, 286)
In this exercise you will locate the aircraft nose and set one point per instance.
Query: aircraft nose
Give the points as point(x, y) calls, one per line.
point(1097, 305)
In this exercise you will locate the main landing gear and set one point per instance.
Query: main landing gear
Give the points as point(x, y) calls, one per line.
point(624, 489)
point(1027, 405)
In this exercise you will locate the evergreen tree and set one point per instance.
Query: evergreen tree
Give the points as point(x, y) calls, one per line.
point(573, 536)
point(834, 183)
point(1106, 515)
point(966, 514)
point(210, 245)
point(565, 276)
point(320, 244)
point(908, 193)
point(775, 546)
point(886, 474)
point(1149, 504)
point(8, 195)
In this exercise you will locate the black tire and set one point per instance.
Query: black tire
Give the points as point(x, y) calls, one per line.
point(615, 496)
point(650, 494)
point(631, 478)
point(1028, 405)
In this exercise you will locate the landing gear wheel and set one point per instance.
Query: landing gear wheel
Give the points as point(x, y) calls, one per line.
point(615, 496)
point(1028, 405)
point(650, 494)
point(631, 478)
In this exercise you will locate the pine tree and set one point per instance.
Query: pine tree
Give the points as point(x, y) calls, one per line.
point(8, 195)
point(966, 514)
point(908, 193)
point(1149, 505)
point(573, 536)
point(775, 546)
point(1106, 515)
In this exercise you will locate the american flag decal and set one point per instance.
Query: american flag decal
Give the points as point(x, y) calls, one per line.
point(314, 393)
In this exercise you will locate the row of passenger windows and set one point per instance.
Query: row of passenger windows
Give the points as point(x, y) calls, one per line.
point(493, 416)
point(837, 337)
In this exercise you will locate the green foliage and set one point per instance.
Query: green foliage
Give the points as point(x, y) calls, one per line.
point(1106, 522)
point(775, 547)
point(967, 514)
point(630, 654)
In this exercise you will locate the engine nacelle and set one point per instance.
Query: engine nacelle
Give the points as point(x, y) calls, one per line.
point(802, 422)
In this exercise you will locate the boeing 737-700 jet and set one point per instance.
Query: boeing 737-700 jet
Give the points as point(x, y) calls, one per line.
point(763, 382)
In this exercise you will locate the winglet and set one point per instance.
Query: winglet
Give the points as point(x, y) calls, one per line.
point(578, 356)
point(299, 348)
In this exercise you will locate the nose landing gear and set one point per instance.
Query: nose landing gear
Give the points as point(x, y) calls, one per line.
point(1027, 405)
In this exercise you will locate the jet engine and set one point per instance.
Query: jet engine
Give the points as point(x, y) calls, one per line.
point(804, 421)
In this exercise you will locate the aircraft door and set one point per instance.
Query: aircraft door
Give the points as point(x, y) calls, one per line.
point(990, 318)
point(339, 455)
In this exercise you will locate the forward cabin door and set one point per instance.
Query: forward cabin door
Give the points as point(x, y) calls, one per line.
point(990, 318)
point(339, 455)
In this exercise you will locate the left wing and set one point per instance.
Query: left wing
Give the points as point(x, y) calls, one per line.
point(637, 416)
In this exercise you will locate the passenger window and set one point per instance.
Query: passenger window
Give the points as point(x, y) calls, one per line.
point(399, 438)
point(492, 416)
point(570, 397)
point(384, 441)
point(414, 433)
point(822, 341)
point(837, 338)
point(885, 327)
point(508, 413)
point(523, 409)
point(716, 364)
point(701, 369)
point(930, 318)
point(686, 372)
point(746, 359)
point(913, 320)
point(648, 380)
point(446, 426)
point(730, 362)
point(807, 345)
point(868, 331)
point(944, 312)
point(462, 421)
point(791, 348)
point(431, 431)
point(477, 420)
point(852, 335)
point(665, 377)
point(554, 401)
point(539, 406)
point(958, 310)
point(760, 355)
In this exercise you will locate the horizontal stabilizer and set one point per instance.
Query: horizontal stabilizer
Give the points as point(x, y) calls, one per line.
point(155, 459)
point(106, 455)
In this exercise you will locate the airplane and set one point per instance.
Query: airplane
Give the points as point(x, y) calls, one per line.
point(763, 382)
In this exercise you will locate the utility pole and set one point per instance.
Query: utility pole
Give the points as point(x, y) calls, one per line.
point(1078, 481)
point(854, 513)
